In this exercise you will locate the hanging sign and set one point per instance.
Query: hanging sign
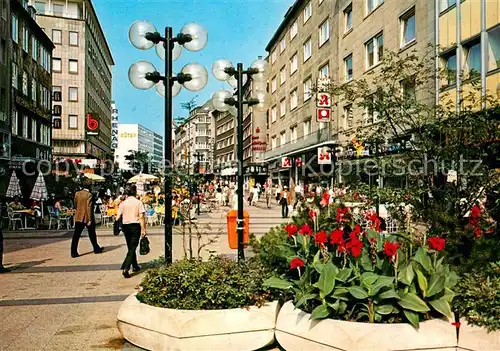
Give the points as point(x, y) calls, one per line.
point(324, 157)
point(298, 162)
point(323, 115)
point(286, 162)
point(323, 100)
point(92, 125)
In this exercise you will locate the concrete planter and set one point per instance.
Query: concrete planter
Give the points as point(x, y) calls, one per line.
point(294, 331)
point(155, 328)
point(477, 339)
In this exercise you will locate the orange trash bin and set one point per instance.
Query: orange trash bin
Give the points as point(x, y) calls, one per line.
point(232, 233)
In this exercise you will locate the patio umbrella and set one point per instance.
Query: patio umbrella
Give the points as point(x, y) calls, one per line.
point(142, 178)
point(39, 192)
point(14, 189)
point(94, 177)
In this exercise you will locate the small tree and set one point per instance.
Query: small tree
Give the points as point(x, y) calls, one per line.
point(139, 161)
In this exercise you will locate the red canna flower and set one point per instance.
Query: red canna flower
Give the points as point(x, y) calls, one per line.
point(342, 215)
point(296, 262)
point(306, 230)
point(356, 231)
point(342, 248)
point(375, 221)
point(325, 200)
point(437, 243)
point(355, 246)
point(291, 229)
point(478, 232)
point(320, 237)
point(391, 249)
point(312, 214)
point(337, 237)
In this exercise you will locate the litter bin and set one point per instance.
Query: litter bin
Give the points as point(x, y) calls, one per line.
point(232, 233)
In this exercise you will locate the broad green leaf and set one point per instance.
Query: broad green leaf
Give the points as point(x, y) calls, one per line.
point(358, 292)
point(335, 305)
point(406, 275)
point(442, 306)
point(316, 258)
point(448, 294)
point(318, 266)
point(366, 261)
point(412, 317)
point(436, 284)
point(277, 283)
point(383, 309)
point(326, 281)
point(341, 294)
point(342, 308)
point(319, 312)
point(304, 299)
point(378, 317)
point(389, 294)
point(451, 279)
point(412, 302)
point(423, 258)
point(344, 274)
point(382, 282)
point(368, 278)
point(422, 282)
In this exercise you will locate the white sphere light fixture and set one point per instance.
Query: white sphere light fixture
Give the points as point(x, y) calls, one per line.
point(137, 34)
point(219, 67)
point(199, 36)
point(137, 74)
point(199, 76)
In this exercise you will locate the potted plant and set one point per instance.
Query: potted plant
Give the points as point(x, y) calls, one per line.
point(344, 278)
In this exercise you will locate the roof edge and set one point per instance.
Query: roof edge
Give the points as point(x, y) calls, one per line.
point(289, 15)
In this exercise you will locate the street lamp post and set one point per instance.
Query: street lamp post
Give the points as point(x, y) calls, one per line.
point(224, 100)
point(143, 75)
point(198, 156)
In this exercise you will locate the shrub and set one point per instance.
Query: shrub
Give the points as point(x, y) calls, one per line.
point(478, 297)
point(219, 283)
point(267, 249)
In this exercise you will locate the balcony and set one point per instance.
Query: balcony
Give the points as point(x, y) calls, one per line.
point(200, 146)
point(202, 133)
point(320, 136)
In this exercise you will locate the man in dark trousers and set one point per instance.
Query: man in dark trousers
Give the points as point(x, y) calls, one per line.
point(84, 217)
point(2, 268)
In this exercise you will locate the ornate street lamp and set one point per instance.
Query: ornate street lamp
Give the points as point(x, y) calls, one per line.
point(224, 100)
point(143, 75)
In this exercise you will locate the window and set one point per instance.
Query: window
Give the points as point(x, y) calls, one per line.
point(73, 66)
point(293, 134)
point(34, 48)
point(58, 9)
point(282, 107)
point(307, 49)
point(294, 63)
point(73, 94)
point(15, 29)
point(293, 99)
point(274, 114)
point(449, 62)
point(282, 75)
point(273, 142)
point(25, 83)
point(374, 50)
point(33, 90)
point(273, 56)
point(348, 119)
point(408, 29)
point(40, 7)
point(73, 122)
point(307, 88)
point(348, 18)
point(494, 49)
point(274, 84)
point(56, 36)
point(371, 115)
point(408, 89)
point(283, 138)
point(324, 32)
point(73, 38)
point(307, 128)
point(373, 4)
point(307, 12)
point(56, 64)
point(473, 58)
point(34, 128)
point(324, 71)
point(348, 68)
point(15, 75)
point(294, 29)
point(25, 126)
point(446, 4)
point(282, 45)
point(26, 38)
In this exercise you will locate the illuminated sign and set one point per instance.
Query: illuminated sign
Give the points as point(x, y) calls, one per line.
point(92, 125)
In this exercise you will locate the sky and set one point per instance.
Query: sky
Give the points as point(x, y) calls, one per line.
point(238, 30)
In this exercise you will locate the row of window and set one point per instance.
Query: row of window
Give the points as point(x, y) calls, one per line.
point(57, 37)
point(57, 65)
point(225, 127)
point(225, 158)
point(306, 125)
point(31, 88)
point(225, 142)
point(29, 128)
point(323, 72)
point(72, 93)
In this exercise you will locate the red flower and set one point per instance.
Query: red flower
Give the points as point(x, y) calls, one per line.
point(341, 214)
point(475, 215)
point(296, 262)
point(437, 243)
point(375, 221)
point(306, 230)
point(478, 231)
point(320, 237)
point(325, 200)
point(342, 248)
point(355, 246)
point(390, 249)
point(356, 231)
point(291, 229)
point(337, 237)
point(312, 214)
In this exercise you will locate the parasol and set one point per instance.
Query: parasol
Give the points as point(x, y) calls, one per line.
point(39, 192)
point(142, 178)
point(14, 189)
point(94, 177)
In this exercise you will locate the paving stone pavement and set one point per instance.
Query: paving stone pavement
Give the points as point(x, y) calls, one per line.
point(51, 301)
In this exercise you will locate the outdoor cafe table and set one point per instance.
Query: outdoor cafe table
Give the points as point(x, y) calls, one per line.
point(26, 213)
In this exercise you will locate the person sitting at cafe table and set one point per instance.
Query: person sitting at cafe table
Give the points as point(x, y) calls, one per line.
point(16, 205)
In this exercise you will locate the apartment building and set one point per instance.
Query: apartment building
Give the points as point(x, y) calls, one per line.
point(226, 166)
point(5, 86)
point(81, 66)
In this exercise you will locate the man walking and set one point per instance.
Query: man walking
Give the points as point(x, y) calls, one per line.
point(84, 217)
point(134, 226)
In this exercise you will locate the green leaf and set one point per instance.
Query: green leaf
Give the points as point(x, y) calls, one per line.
point(382, 282)
point(413, 302)
point(442, 306)
point(344, 274)
point(383, 309)
point(358, 292)
point(341, 294)
point(316, 258)
point(389, 294)
point(406, 275)
point(318, 266)
point(368, 278)
point(277, 283)
point(423, 258)
point(451, 280)
point(304, 299)
point(342, 308)
point(436, 284)
point(366, 262)
point(319, 312)
point(422, 282)
point(412, 317)
point(448, 294)
point(335, 305)
point(326, 281)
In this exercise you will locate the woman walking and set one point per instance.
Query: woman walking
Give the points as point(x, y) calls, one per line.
point(132, 212)
point(285, 200)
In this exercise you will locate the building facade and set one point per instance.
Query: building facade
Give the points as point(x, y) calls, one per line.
point(82, 77)
point(5, 89)
point(225, 165)
point(135, 137)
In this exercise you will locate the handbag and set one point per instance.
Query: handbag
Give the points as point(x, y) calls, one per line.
point(117, 226)
point(144, 246)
